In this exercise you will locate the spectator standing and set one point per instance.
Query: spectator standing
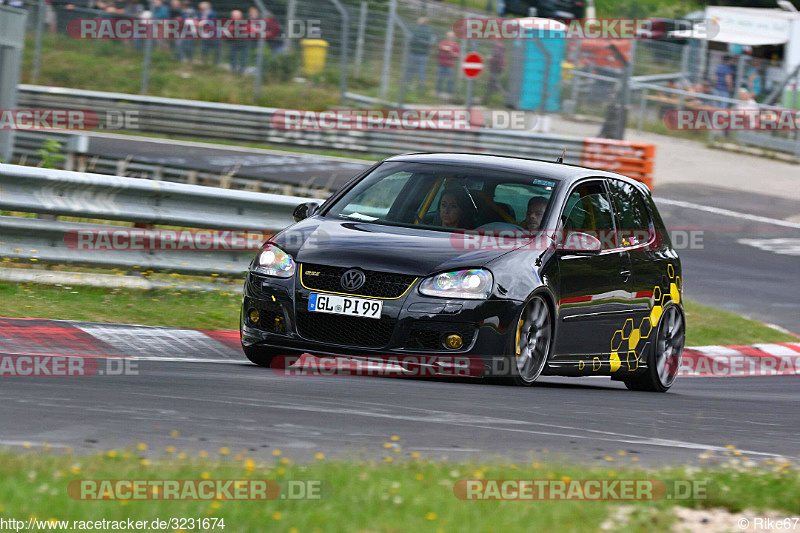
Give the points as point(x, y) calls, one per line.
point(421, 41)
point(209, 46)
point(497, 64)
point(186, 46)
point(723, 85)
point(160, 11)
point(238, 48)
point(753, 80)
point(448, 51)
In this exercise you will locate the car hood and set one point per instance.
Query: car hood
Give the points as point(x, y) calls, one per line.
point(369, 246)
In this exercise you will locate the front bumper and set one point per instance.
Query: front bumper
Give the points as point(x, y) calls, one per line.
point(410, 325)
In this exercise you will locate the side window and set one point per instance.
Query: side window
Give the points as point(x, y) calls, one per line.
point(632, 215)
point(588, 210)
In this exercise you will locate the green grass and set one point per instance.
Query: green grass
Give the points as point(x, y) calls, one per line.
point(117, 67)
point(406, 494)
point(172, 308)
point(220, 310)
point(707, 325)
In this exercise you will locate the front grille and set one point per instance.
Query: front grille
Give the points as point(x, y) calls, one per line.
point(377, 284)
point(346, 330)
point(429, 335)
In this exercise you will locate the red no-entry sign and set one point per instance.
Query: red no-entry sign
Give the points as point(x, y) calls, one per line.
point(472, 65)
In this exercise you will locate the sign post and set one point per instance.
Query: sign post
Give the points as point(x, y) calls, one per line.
point(472, 66)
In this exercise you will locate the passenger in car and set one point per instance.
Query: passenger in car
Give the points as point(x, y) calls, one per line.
point(535, 213)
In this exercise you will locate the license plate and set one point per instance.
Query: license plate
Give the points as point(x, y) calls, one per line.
point(344, 305)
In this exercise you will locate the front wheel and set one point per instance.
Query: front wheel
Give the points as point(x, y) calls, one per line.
point(260, 355)
point(531, 348)
point(664, 358)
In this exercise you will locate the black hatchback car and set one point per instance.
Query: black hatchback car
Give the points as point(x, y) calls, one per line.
point(529, 267)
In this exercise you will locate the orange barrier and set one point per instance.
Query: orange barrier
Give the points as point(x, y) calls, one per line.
point(631, 159)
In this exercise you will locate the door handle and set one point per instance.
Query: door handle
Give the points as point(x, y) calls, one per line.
point(625, 274)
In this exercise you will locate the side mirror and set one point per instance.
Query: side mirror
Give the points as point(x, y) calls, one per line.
point(303, 211)
point(579, 243)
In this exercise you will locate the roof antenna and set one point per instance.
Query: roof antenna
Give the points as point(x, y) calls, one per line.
point(561, 158)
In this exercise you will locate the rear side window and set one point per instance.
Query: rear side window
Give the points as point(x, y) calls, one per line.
point(588, 210)
point(634, 223)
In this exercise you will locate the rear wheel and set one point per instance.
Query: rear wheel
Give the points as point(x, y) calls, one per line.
point(260, 355)
point(664, 358)
point(531, 348)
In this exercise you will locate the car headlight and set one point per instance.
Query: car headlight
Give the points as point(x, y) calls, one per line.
point(475, 284)
point(273, 261)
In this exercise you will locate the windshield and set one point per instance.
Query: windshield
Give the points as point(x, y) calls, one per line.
point(447, 198)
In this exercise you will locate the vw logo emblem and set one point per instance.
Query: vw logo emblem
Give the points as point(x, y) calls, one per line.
point(353, 279)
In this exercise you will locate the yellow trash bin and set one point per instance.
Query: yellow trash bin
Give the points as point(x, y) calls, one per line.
point(314, 53)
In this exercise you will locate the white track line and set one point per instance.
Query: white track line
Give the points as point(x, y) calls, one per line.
point(728, 213)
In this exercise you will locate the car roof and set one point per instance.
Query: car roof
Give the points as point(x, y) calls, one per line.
point(544, 169)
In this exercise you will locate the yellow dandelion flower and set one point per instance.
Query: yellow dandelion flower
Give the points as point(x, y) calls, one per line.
point(277, 515)
point(319, 455)
point(430, 516)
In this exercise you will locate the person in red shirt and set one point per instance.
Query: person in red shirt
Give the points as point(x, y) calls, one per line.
point(497, 63)
point(446, 59)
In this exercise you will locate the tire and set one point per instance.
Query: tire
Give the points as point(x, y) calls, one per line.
point(664, 357)
point(260, 355)
point(535, 327)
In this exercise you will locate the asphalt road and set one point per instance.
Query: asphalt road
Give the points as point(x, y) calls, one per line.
point(266, 165)
point(746, 261)
point(249, 408)
point(739, 265)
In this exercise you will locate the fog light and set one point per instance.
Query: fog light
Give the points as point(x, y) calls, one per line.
point(453, 341)
point(252, 315)
point(279, 324)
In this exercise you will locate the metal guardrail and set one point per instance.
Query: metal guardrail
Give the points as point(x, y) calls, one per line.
point(132, 200)
point(195, 119)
